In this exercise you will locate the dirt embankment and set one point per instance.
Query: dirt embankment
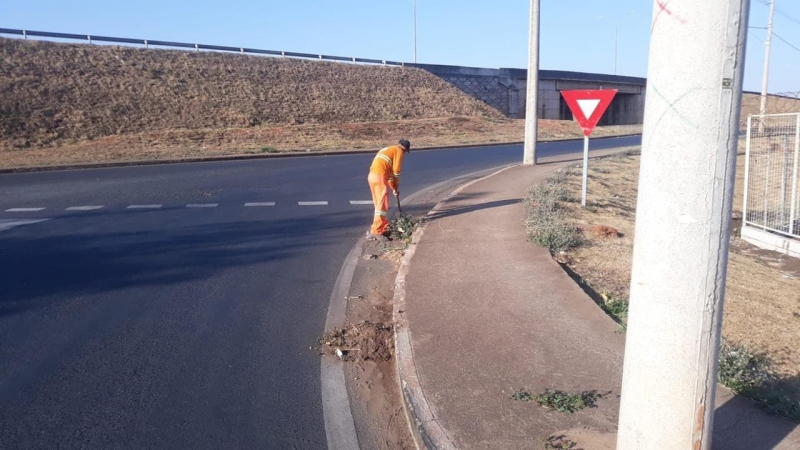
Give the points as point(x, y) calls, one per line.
point(68, 104)
point(54, 94)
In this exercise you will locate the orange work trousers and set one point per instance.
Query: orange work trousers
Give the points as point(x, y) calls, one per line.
point(379, 185)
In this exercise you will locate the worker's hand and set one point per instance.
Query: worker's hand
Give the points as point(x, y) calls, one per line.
point(396, 192)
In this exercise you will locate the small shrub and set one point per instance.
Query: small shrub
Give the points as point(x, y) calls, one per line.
point(615, 307)
point(750, 375)
point(781, 404)
point(522, 396)
point(567, 402)
point(547, 225)
point(555, 235)
point(741, 370)
point(268, 150)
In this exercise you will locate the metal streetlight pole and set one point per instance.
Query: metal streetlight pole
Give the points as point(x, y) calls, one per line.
point(415, 31)
point(768, 47)
point(616, 37)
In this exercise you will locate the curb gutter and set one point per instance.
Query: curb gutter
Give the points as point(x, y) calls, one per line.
point(427, 432)
point(296, 154)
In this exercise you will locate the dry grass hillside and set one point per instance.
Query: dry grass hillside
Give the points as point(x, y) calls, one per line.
point(54, 94)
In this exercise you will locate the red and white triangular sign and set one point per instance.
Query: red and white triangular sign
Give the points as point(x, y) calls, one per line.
point(588, 106)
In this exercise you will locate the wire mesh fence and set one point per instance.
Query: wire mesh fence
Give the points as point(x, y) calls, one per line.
point(772, 177)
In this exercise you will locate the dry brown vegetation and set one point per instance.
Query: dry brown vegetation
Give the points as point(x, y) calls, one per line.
point(54, 94)
point(762, 309)
point(66, 104)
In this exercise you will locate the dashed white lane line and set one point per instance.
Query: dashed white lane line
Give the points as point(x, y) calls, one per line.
point(6, 224)
point(360, 202)
point(84, 208)
point(24, 209)
point(144, 207)
point(202, 205)
point(312, 203)
point(260, 204)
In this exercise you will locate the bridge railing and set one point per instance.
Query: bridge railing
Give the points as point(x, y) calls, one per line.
point(197, 47)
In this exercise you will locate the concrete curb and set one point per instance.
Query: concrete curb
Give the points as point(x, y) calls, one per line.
point(428, 433)
point(340, 428)
point(266, 156)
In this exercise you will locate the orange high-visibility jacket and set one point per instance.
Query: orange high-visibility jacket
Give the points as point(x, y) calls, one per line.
point(388, 163)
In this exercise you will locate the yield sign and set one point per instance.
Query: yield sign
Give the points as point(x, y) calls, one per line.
point(588, 106)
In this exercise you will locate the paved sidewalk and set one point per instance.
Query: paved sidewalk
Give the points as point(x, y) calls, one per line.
point(487, 313)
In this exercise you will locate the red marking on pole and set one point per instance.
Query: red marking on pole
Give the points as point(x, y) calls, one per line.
point(588, 106)
point(662, 8)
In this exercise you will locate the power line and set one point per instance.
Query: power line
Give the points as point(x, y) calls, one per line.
point(786, 42)
point(781, 12)
point(757, 38)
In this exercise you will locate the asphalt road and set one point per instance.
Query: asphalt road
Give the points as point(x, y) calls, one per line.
point(131, 320)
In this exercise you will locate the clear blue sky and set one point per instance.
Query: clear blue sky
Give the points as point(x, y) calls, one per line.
point(462, 32)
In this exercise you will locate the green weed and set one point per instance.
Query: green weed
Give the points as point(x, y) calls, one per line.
point(403, 227)
point(561, 401)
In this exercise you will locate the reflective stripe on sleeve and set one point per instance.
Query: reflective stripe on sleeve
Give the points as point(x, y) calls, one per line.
point(380, 213)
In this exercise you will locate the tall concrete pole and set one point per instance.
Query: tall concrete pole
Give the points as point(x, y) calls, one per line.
point(680, 256)
point(532, 89)
point(767, 50)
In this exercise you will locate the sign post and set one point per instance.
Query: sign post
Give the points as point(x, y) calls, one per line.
point(588, 107)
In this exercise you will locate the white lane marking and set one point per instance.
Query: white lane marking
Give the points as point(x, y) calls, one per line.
point(260, 204)
point(144, 207)
point(7, 224)
point(202, 205)
point(360, 202)
point(84, 208)
point(312, 203)
point(24, 209)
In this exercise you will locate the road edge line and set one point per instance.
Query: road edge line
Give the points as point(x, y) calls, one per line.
point(427, 432)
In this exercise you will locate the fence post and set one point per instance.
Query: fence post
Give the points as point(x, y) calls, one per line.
point(89, 38)
point(196, 48)
point(793, 207)
point(746, 169)
point(145, 44)
point(784, 184)
point(766, 177)
point(241, 49)
point(25, 35)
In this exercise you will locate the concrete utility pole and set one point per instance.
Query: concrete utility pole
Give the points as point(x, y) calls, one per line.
point(680, 257)
point(532, 88)
point(767, 50)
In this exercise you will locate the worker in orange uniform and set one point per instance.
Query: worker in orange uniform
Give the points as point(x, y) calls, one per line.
point(384, 174)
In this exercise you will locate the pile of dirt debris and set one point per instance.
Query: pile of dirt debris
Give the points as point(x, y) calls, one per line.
point(365, 341)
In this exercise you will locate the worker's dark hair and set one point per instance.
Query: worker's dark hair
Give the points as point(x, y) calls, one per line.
point(405, 144)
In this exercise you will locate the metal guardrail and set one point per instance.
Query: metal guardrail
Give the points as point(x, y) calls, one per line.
point(197, 47)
